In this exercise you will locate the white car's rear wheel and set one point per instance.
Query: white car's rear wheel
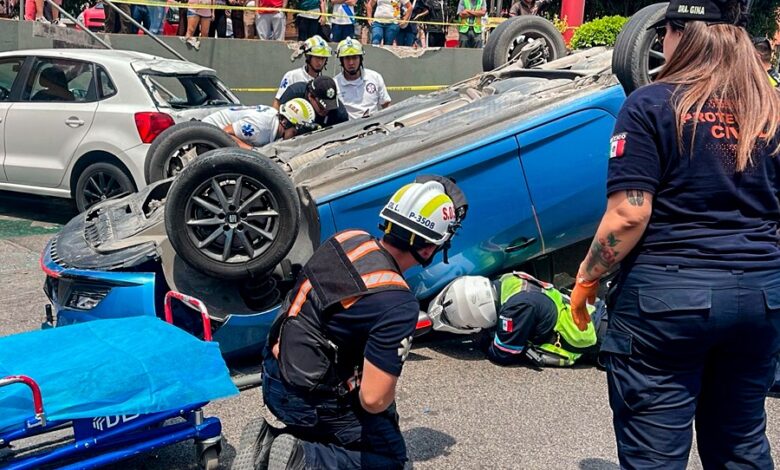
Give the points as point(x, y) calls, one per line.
point(101, 181)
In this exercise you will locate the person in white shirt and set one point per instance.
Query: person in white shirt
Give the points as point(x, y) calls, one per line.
point(343, 20)
point(317, 52)
point(362, 90)
point(255, 126)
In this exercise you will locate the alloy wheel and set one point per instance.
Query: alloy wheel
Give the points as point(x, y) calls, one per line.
point(101, 186)
point(232, 218)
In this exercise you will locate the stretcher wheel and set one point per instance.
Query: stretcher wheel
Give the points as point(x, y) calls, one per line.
point(209, 459)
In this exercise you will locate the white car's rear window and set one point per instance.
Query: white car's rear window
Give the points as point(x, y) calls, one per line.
point(187, 91)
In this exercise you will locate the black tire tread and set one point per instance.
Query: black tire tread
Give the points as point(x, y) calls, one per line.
point(494, 54)
point(629, 58)
point(175, 136)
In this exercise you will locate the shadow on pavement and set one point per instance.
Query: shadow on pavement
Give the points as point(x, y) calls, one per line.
point(52, 210)
point(426, 443)
point(598, 464)
point(464, 348)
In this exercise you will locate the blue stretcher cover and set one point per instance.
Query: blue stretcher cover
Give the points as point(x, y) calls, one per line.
point(108, 368)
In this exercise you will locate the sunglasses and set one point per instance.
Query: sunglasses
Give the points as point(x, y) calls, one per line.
point(674, 24)
point(660, 31)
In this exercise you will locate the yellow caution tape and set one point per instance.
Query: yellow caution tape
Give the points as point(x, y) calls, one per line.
point(492, 22)
point(390, 88)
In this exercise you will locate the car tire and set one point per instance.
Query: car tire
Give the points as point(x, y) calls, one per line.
point(638, 55)
point(229, 234)
point(504, 40)
point(101, 181)
point(164, 158)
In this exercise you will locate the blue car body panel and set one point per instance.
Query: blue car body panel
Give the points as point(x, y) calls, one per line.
point(131, 293)
point(532, 188)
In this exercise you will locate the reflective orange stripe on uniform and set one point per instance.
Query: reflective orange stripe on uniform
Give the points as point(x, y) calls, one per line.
point(300, 299)
point(344, 236)
point(362, 250)
point(383, 278)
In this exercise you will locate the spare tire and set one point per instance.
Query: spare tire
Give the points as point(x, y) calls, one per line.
point(638, 56)
point(178, 145)
point(232, 214)
point(506, 41)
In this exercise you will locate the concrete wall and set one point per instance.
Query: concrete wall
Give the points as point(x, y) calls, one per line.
point(245, 63)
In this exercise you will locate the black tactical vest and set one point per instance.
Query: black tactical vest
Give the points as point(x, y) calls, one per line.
point(346, 267)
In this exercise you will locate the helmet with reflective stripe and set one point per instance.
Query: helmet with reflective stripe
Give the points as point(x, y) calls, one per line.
point(465, 306)
point(317, 47)
point(298, 111)
point(424, 209)
point(349, 47)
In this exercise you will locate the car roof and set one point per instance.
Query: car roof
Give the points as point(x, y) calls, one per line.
point(118, 58)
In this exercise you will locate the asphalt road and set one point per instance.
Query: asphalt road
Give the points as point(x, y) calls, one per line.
point(457, 410)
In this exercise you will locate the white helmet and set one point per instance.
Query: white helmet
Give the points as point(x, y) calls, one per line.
point(424, 209)
point(298, 111)
point(465, 306)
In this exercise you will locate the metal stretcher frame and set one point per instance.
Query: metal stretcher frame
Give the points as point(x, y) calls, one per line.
point(128, 436)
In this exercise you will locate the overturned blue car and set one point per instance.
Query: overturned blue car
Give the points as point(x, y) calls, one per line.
point(528, 146)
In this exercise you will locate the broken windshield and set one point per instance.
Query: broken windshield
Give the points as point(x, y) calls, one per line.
point(187, 91)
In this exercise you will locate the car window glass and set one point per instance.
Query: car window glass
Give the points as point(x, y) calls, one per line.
point(107, 87)
point(185, 91)
point(9, 69)
point(60, 80)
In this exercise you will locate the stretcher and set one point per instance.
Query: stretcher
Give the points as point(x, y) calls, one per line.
point(118, 388)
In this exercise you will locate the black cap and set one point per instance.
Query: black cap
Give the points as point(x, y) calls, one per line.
point(709, 11)
point(324, 90)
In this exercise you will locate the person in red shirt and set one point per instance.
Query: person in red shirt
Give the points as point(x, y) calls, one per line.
point(270, 24)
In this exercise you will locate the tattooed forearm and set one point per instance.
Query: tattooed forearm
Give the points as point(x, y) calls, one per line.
point(602, 253)
point(635, 198)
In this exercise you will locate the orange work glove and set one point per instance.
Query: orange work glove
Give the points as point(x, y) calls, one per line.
point(584, 292)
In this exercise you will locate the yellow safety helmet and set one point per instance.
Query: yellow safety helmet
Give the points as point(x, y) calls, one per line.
point(349, 47)
point(424, 209)
point(317, 47)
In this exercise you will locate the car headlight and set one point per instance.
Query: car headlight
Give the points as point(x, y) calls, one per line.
point(86, 299)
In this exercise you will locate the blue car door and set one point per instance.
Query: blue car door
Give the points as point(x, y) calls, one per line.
point(499, 231)
point(565, 164)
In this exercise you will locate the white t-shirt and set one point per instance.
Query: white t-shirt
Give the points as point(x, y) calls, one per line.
point(293, 76)
point(341, 16)
point(387, 9)
point(255, 125)
point(364, 96)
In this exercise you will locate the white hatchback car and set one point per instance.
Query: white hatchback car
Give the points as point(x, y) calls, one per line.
point(77, 123)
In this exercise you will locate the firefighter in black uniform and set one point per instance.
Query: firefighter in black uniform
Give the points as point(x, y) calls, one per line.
point(336, 350)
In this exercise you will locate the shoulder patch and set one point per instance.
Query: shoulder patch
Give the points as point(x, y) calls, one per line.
point(507, 324)
point(617, 145)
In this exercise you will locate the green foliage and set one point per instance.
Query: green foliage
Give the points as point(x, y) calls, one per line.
point(763, 19)
point(599, 32)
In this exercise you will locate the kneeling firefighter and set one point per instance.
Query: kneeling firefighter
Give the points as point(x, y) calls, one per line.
point(525, 318)
point(335, 352)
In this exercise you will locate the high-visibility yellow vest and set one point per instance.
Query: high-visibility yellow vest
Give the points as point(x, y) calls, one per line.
point(471, 22)
point(566, 331)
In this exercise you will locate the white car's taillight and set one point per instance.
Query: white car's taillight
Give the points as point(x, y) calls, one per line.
point(150, 125)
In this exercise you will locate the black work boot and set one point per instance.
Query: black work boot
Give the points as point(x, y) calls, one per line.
point(286, 454)
point(255, 447)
